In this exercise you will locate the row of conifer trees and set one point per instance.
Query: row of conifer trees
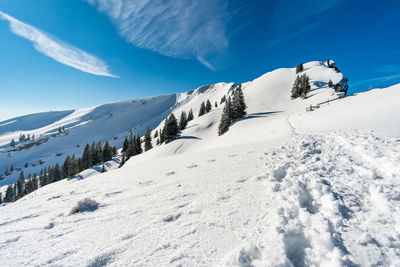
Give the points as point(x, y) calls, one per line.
point(92, 155)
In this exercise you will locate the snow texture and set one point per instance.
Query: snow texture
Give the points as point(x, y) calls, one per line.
point(283, 187)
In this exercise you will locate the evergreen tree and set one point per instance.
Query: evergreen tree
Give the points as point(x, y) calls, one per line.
point(158, 141)
point(330, 84)
point(147, 140)
point(99, 153)
point(93, 154)
point(86, 160)
point(12, 168)
point(301, 87)
point(139, 149)
point(10, 194)
point(216, 104)
point(238, 104)
point(223, 99)
point(190, 115)
point(171, 129)
point(202, 110)
point(103, 169)
point(64, 169)
point(156, 134)
point(226, 118)
point(56, 173)
point(122, 161)
point(107, 152)
point(12, 143)
point(125, 145)
point(208, 106)
point(183, 121)
point(20, 185)
point(299, 68)
point(6, 172)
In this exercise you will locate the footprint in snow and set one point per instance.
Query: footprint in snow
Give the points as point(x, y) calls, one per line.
point(171, 218)
point(192, 166)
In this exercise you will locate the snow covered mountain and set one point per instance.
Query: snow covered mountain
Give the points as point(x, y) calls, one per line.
point(283, 187)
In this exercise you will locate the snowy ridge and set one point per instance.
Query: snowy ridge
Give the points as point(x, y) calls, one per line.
point(283, 187)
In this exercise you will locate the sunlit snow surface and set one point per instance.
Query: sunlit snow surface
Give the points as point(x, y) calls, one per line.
point(284, 187)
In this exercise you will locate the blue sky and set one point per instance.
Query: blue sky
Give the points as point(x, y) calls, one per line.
point(66, 54)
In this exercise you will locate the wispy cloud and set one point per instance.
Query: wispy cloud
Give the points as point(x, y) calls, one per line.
point(57, 50)
point(176, 28)
point(388, 69)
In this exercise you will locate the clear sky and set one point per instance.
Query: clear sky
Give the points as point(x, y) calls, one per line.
point(66, 54)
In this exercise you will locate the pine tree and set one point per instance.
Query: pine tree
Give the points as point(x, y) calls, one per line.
point(139, 149)
point(301, 87)
point(99, 153)
point(226, 118)
point(64, 169)
point(202, 110)
point(122, 161)
point(12, 143)
point(223, 99)
point(56, 173)
point(103, 169)
point(93, 154)
point(125, 145)
point(190, 115)
point(20, 185)
point(158, 141)
point(107, 152)
point(156, 134)
point(216, 104)
point(86, 161)
point(208, 106)
point(171, 129)
point(147, 140)
point(6, 172)
point(183, 121)
point(330, 84)
point(299, 68)
point(238, 104)
point(10, 194)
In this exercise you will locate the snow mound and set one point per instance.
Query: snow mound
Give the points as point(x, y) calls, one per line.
point(84, 205)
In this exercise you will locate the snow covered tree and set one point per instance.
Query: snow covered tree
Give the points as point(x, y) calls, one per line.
point(226, 118)
point(238, 104)
point(190, 115)
point(208, 106)
point(299, 68)
point(12, 143)
point(147, 140)
point(171, 129)
point(202, 110)
point(183, 121)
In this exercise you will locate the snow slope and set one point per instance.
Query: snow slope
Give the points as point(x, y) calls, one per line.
point(110, 122)
point(284, 187)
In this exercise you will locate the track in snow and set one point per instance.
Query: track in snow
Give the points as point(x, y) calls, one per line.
point(337, 198)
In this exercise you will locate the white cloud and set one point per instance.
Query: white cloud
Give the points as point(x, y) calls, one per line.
point(175, 28)
point(57, 50)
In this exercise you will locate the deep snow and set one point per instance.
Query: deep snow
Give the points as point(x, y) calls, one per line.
point(284, 187)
